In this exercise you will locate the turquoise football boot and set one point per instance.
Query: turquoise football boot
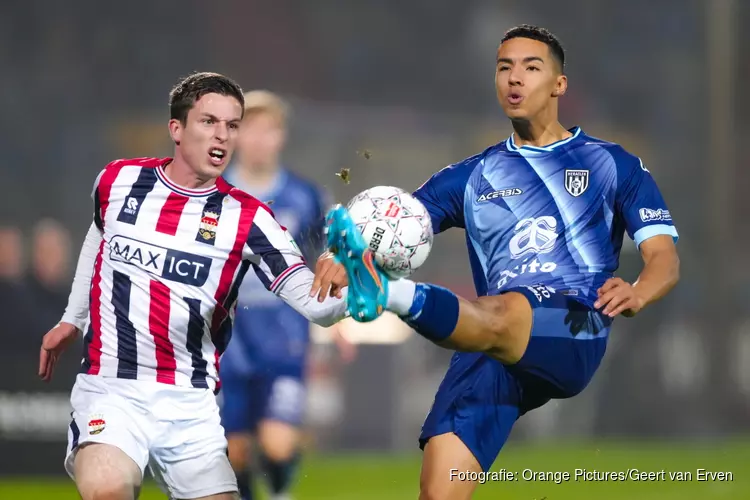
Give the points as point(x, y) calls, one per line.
point(368, 285)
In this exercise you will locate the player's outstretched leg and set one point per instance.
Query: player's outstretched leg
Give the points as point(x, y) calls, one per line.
point(368, 286)
point(103, 471)
point(447, 466)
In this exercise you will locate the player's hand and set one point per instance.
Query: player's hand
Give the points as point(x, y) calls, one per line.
point(53, 344)
point(617, 296)
point(329, 276)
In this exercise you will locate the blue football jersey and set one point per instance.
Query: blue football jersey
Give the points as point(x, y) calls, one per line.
point(266, 330)
point(553, 215)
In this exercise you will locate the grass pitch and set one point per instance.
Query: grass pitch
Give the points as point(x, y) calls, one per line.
point(690, 472)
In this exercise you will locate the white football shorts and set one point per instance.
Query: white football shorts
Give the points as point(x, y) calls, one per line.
point(175, 431)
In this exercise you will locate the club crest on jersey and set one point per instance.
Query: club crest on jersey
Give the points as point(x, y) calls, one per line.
point(96, 424)
point(576, 182)
point(207, 229)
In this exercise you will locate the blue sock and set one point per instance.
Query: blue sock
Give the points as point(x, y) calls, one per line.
point(433, 312)
point(245, 484)
point(280, 474)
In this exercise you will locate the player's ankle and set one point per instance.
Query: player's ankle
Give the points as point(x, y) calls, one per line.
point(434, 312)
point(401, 296)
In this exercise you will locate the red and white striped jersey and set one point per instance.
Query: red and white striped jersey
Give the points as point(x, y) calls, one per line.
point(168, 270)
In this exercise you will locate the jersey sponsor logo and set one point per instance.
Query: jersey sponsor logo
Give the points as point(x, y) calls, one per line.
point(650, 215)
point(170, 264)
point(529, 267)
point(533, 236)
point(576, 182)
point(501, 193)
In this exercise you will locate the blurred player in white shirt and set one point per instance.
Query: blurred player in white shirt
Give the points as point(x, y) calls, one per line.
point(157, 283)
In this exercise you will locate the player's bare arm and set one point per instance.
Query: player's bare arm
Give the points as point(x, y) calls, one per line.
point(660, 274)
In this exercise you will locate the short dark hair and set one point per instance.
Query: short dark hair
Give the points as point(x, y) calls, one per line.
point(541, 35)
point(184, 95)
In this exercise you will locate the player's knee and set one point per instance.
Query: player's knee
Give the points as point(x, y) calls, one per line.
point(279, 441)
point(100, 485)
point(431, 490)
point(282, 450)
point(508, 326)
point(428, 492)
point(105, 472)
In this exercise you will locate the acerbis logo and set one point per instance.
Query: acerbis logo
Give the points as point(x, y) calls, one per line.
point(501, 193)
point(173, 265)
point(649, 215)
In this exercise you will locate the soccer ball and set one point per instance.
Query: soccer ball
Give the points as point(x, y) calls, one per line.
point(396, 226)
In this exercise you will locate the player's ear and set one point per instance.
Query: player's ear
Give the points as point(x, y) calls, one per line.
point(175, 130)
point(561, 85)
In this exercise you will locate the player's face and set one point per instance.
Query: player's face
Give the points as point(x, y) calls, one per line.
point(261, 139)
point(207, 139)
point(527, 79)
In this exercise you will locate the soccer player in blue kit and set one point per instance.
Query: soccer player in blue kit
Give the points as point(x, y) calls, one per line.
point(263, 369)
point(545, 213)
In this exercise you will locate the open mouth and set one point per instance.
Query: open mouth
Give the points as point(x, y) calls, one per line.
point(514, 98)
point(217, 156)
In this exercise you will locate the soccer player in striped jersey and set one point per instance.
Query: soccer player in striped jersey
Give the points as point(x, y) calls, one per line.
point(157, 281)
point(545, 213)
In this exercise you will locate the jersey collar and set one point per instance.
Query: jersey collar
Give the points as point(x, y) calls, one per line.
point(511, 144)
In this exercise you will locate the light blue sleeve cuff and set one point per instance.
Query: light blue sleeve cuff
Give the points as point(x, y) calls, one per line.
point(654, 230)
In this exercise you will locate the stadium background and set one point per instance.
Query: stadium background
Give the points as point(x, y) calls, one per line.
point(410, 81)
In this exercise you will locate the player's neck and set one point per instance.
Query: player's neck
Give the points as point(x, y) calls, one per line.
point(539, 134)
point(180, 173)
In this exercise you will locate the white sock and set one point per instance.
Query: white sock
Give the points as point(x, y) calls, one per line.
point(400, 296)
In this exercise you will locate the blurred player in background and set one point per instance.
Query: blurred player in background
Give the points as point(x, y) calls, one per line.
point(545, 213)
point(157, 282)
point(263, 369)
